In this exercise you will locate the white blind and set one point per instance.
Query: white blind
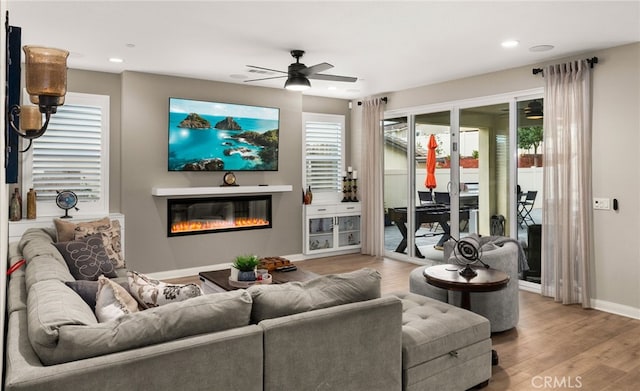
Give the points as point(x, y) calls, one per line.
point(324, 146)
point(73, 155)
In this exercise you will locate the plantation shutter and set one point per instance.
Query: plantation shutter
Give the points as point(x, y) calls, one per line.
point(73, 155)
point(324, 152)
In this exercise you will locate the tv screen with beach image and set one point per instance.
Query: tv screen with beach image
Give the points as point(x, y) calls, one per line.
point(212, 136)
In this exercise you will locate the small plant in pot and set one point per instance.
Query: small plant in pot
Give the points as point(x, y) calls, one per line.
point(246, 265)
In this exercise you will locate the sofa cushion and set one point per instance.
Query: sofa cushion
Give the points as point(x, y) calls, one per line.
point(87, 258)
point(38, 241)
point(199, 315)
point(152, 293)
point(88, 290)
point(431, 328)
point(44, 261)
point(45, 267)
point(51, 305)
point(272, 301)
point(113, 301)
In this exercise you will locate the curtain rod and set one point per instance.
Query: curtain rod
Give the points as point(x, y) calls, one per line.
point(592, 61)
point(384, 99)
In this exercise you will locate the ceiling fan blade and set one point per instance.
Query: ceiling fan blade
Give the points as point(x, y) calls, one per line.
point(308, 71)
point(265, 78)
point(319, 76)
point(265, 69)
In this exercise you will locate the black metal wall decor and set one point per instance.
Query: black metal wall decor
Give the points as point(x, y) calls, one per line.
point(12, 79)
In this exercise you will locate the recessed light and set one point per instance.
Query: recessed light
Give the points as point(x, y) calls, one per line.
point(510, 44)
point(116, 60)
point(540, 48)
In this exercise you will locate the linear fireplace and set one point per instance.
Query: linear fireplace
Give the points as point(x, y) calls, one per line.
point(193, 216)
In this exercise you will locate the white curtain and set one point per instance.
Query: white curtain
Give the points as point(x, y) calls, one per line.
point(567, 239)
point(371, 186)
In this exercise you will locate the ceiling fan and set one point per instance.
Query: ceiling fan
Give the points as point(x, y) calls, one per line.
point(298, 74)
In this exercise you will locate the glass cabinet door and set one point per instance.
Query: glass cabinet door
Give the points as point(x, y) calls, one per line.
point(320, 233)
point(348, 231)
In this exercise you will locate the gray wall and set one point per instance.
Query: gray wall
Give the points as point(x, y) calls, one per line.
point(615, 271)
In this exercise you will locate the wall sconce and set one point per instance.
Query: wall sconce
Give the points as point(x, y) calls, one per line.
point(46, 80)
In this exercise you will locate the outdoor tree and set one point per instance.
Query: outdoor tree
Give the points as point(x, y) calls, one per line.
point(530, 137)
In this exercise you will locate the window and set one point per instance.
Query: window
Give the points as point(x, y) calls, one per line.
point(324, 152)
point(73, 154)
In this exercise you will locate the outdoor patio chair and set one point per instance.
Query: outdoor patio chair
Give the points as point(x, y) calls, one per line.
point(524, 208)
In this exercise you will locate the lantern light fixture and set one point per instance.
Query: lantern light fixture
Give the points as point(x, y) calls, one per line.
point(46, 83)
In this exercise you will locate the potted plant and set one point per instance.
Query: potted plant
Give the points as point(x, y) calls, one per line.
point(246, 265)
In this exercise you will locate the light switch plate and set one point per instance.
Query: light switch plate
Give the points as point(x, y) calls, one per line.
point(601, 204)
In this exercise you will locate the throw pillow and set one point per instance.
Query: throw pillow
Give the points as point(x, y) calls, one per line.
point(111, 239)
point(153, 293)
point(66, 229)
point(113, 301)
point(88, 290)
point(273, 301)
point(86, 258)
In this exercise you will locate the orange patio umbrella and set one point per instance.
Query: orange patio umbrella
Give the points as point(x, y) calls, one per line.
point(430, 180)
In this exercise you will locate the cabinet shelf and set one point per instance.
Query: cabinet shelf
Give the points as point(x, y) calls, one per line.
point(340, 226)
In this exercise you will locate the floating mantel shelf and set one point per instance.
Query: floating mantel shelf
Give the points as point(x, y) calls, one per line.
point(220, 190)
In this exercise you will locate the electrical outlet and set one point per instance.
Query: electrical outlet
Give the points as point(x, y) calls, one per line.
point(601, 204)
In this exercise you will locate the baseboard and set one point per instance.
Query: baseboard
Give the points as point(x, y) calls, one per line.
point(615, 308)
point(529, 286)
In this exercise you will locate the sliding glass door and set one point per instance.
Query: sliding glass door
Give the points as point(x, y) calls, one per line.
point(472, 182)
point(529, 183)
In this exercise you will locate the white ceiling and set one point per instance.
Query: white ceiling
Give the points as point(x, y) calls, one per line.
point(388, 45)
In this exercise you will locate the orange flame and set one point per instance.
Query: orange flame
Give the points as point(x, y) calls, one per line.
point(199, 225)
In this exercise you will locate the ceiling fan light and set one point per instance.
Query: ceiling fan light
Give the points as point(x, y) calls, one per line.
point(534, 110)
point(297, 83)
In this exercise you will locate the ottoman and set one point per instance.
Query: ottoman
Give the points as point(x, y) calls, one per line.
point(443, 347)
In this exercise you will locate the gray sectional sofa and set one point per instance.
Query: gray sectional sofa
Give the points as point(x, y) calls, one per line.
point(332, 333)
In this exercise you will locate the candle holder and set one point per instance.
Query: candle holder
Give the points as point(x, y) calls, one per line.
point(354, 197)
point(345, 190)
point(349, 186)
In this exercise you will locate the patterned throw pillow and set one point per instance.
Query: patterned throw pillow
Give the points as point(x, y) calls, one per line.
point(111, 239)
point(86, 258)
point(66, 229)
point(153, 293)
point(113, 301)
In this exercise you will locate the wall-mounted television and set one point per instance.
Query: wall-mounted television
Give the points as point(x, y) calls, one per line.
point(212, 136)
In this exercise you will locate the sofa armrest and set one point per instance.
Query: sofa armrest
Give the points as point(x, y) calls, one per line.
point(207, 361)
point(355, 346)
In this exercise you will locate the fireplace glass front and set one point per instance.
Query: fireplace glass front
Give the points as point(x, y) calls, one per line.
point(193, 216)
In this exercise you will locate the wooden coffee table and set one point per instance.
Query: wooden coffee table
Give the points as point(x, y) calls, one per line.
point(486, 280)
point(447, 277)
point(218, 280)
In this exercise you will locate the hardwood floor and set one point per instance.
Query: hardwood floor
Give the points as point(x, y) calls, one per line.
point(553, 347)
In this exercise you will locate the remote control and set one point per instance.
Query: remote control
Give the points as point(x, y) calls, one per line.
point(288, 268)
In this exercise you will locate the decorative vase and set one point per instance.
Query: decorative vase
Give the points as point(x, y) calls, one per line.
point(247, 276)
point(31, 204)
point(15, 207)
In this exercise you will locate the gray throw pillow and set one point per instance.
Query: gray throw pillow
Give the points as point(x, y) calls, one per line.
point(87, 258)
point(88, 290)
point(272, 301)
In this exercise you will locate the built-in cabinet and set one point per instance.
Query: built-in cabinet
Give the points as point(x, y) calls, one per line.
point(331, 228)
